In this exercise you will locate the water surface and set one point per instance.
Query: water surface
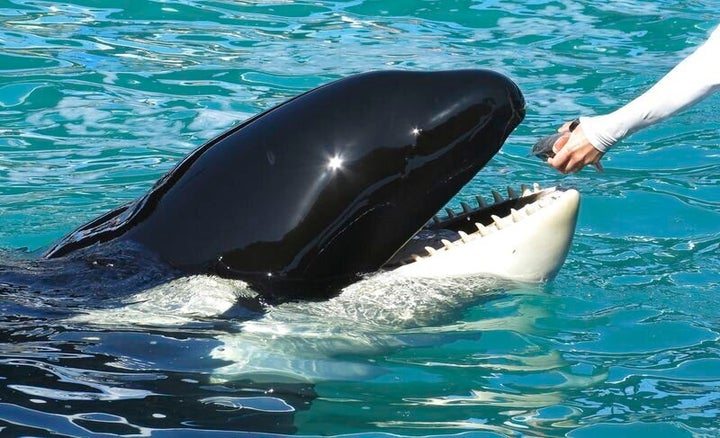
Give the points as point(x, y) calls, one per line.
point(99, 99)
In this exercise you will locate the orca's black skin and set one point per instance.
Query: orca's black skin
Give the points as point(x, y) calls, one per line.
point(302, 199)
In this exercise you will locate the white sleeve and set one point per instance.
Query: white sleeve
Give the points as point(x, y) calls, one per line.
point(695, 78)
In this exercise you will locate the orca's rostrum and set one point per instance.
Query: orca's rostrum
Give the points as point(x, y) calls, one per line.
point(301, 200)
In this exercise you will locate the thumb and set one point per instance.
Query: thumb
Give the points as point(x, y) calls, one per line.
point(565, 127)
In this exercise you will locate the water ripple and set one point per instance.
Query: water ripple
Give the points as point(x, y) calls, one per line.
point(99, 100)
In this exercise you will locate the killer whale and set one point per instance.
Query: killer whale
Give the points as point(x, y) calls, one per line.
point(134, 265)
point(301, 200)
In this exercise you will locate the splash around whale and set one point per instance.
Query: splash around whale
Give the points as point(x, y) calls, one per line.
point(342, 181)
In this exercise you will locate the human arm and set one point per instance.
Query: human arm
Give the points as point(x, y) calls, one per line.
point(693, 79)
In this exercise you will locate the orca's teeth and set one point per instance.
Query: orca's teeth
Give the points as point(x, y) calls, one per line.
point(482, 229)
point(543, 198)
point(499, 222)
point(497, 196)
point(540, 199)
point(464, 236)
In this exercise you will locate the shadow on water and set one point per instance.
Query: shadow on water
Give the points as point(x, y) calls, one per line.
point(91, 348)
point(75, 377)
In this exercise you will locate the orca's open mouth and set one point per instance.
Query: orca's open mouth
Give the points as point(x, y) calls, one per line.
point(456, 229)
point(485, 216)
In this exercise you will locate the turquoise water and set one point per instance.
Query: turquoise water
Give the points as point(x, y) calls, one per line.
point(99, 99)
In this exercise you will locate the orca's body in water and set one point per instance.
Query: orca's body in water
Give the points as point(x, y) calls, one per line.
point(303, 199)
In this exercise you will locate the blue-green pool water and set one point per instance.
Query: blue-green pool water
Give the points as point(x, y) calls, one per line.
point(100, 99)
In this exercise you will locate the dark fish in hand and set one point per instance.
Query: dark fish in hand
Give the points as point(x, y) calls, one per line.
point(543, 149)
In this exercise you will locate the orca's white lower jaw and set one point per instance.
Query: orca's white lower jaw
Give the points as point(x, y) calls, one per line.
point(522, 238)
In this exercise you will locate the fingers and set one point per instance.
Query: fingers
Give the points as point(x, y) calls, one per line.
point(569, 126)
point(564, 162)
point(560, 143)
point(567, 161)
point(565, 127)
point(573, 152)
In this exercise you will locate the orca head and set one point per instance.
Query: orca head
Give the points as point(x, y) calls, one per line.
point(302, 199)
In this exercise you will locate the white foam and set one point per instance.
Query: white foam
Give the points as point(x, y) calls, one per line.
point(172, 304)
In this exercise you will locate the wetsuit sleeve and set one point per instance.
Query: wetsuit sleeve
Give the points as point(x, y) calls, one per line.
point(695, 78)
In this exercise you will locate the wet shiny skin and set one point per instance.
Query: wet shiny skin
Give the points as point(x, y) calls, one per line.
point(304, 197)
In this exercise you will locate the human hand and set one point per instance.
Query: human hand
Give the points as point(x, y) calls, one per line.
point(573, 151)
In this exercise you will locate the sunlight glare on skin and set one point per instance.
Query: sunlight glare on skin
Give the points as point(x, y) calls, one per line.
point(335, 163)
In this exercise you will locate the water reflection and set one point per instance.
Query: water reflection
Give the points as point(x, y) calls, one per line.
point(108, 98)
